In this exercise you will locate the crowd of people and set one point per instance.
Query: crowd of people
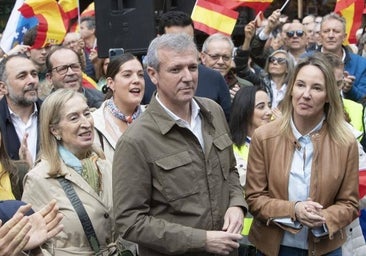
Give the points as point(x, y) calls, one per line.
point(251, 149)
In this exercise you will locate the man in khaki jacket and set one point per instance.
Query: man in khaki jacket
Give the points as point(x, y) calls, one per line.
point(175, 187)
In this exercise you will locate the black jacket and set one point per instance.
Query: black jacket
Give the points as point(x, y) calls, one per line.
point(9, 135)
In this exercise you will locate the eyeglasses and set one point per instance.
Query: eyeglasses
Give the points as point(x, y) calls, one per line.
point(278, 60)
point(62, 70)
point(216, 57)
point(299, 33)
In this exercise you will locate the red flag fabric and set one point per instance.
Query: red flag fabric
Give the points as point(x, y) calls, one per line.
point(362, 183)
point(257, 5)
point(89, 11)
point(70, 7)
point(88, 82)
point(211, 18)
point(52, 21)
point(351, 10)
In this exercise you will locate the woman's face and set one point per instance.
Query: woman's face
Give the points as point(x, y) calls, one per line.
point(262, 110)
point(105, 65)
point(277, 64)
point(309, 94)
point(128, 85)
point(75, 127)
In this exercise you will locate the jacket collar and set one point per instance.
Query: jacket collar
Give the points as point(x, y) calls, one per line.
point(166, 123)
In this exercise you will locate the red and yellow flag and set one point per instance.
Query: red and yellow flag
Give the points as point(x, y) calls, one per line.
point(211, 18)
point(351, 10)
point(70, 7)
point(257, 5)
point(88, 82)
point(52, 21)
point(89, 11)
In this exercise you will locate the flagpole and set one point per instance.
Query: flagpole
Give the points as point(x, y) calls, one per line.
point(78, 15)
point(299, 8)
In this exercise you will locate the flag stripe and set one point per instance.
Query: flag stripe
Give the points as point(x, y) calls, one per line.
point(217, 8)
point(342, 4)
point(353, 16)
point(211, 18)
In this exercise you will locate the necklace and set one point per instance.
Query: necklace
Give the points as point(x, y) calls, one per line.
point(118, 114)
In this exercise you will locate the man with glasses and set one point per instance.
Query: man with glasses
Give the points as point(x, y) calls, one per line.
point(64, 71)
point(20, 105)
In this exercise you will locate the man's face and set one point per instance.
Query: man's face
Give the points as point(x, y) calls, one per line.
point(21, 84)
point(297, 40)
point(38, 56)
point(178, 29)
point(73, 41)
point(218, 56)
point(85, 32)
point(177, 77)
point(332, 35)
point(69, 78)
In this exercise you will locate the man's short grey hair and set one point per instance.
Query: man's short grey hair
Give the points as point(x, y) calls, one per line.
point(334, 16)
point(217, 37)
point(179, 43)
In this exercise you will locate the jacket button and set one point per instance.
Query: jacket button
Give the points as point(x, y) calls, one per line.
point(106, 215)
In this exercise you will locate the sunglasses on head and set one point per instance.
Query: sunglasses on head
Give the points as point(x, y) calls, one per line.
point(299, 33)
point(278, 60)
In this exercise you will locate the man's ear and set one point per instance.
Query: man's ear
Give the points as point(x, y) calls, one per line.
point(3, 88)
point(153, 74)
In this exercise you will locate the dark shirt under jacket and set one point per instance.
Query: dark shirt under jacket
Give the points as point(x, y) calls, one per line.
point(211, 84)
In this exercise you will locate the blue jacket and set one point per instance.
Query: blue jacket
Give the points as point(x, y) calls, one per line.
point(9, 135)
point(356, 65)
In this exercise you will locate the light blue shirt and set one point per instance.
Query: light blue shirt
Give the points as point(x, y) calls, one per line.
point(299, 181)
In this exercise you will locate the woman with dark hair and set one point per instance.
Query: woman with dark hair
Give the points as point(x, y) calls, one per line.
point(12, 172)
point(124, 91)
point(250, 109)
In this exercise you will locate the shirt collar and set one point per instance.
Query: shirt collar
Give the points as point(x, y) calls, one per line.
point(195, 110)
point(298, 135)
point(35, 111)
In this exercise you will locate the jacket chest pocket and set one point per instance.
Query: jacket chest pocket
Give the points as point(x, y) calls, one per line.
point(223, 145)
point(177, 176)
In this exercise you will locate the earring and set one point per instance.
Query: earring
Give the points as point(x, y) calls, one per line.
point(58, 137)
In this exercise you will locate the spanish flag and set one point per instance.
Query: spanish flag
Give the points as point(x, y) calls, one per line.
point(89, 11)
point(70, 7)
point(211, 18)
point(351, 10)
point(257, 5)
point(88, 82)
point(52, 21)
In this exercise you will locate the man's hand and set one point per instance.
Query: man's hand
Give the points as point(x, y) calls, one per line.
point(273, 21)
point(14, 234)
point(45, 225)
point(220, 242)
point(233, 220)
point(234, 90)
point(348, 82)
point(24, 152)
point(249, 32)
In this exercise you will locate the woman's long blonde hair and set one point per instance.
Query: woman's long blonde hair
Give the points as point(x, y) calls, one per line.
point(333, 109)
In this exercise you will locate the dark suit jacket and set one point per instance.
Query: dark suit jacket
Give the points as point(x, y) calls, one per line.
point(211, 85)
point(9, 135)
